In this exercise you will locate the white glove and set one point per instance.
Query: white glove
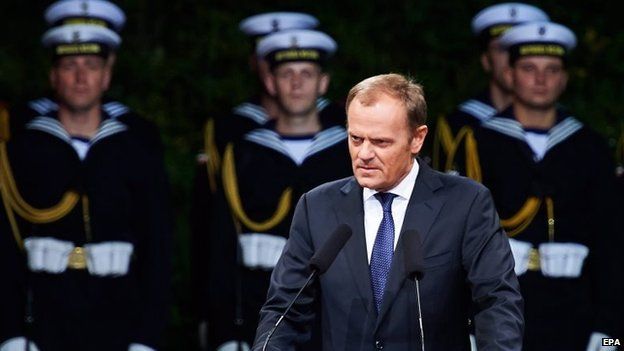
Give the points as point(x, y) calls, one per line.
point(110, 258)
point(18, 344)
point(562, 260)
point(473, 340)
point(139, 347)
point(232, 345)
point(520, 251)
point(47, 254)
point(261, 250)
point(595, 343)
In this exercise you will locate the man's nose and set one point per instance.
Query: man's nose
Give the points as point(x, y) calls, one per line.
point(80, 74)
point(540, 77)
point(296, 81)
point(366, 151)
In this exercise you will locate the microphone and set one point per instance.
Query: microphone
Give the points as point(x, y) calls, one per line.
point(326, 255)
point(319, 264)
point(415, 268)
point(414, 260)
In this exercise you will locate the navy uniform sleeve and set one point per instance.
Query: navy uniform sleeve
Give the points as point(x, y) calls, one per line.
point(606, 250)
point(154, 252)
point(12, 273)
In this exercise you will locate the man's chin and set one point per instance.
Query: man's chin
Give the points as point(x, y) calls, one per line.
point(80, 106)
point(366, 181)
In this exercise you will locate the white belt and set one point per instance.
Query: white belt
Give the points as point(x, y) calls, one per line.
point(555, 260)
point(50, 255)
point(261, 250)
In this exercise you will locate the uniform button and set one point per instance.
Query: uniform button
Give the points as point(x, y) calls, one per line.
point(379, 345)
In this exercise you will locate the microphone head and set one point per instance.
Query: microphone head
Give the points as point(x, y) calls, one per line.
point(325, 256)
point(413, 254)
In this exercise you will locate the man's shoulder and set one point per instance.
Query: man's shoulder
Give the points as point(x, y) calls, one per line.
point(332, 188)
point(458, 185)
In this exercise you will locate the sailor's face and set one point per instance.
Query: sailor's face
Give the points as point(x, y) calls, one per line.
point(538, 81)
point(79, 81)
point(297, 86)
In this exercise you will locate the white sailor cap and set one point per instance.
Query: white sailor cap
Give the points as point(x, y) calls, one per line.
point(81, 39)
point(493, 21)
point(266, 23)
point(296, 45)
point(538, 38)
point(98, 12)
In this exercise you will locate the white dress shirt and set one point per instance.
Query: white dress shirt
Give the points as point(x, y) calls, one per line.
point(373, 212)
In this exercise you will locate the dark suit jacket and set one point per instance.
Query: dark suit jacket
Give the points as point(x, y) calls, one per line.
point(468, 269)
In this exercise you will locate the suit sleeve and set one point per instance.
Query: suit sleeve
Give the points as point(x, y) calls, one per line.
point(489, 264)
point(289, 275)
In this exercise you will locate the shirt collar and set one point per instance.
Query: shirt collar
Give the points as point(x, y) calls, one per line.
point(403, 189)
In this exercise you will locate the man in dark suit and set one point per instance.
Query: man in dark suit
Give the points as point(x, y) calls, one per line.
point(365, 299)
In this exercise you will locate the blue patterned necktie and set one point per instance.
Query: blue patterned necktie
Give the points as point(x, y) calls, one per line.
point(383, 249)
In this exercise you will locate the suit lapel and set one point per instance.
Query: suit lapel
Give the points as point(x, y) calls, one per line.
point(422, 210)
point(350, 210)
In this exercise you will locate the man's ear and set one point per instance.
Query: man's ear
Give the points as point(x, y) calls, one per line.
point(108, 75)
point(52, 77)
point(111, 59)
point(508, 76)
point(323, 84)
point(564, 80)
point(418, 138)
point(485, 62)
point(269, 83)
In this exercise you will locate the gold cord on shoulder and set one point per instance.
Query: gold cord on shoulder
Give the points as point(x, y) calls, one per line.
point(521, 220)
point(450, 144)
point(14, 203)
point(230, 185)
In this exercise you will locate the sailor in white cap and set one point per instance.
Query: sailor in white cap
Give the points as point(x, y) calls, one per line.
point(553, 184)
point(97, 12)
point(85, 192)
point(488, 25)
point(261, 107)
point(263, 174)
point(244, 117)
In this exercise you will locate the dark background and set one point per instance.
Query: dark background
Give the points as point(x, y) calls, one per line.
point(184, 61)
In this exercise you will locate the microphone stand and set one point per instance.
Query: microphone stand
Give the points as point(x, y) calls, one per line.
point(420, 321)
point(292, 302)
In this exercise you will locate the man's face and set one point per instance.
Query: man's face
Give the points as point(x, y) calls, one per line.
point(296, 86)
point(381, 143)
point(538, 81)
point(495, 60)
point(79, 81)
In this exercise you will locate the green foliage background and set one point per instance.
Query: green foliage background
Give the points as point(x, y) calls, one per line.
point(185, 60)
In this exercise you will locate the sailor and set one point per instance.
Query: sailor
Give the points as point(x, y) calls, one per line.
point(244, 117)
point(85, 233)
point(94, 12)
point(263, 175)
point(487, 26)
point(552, 182)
